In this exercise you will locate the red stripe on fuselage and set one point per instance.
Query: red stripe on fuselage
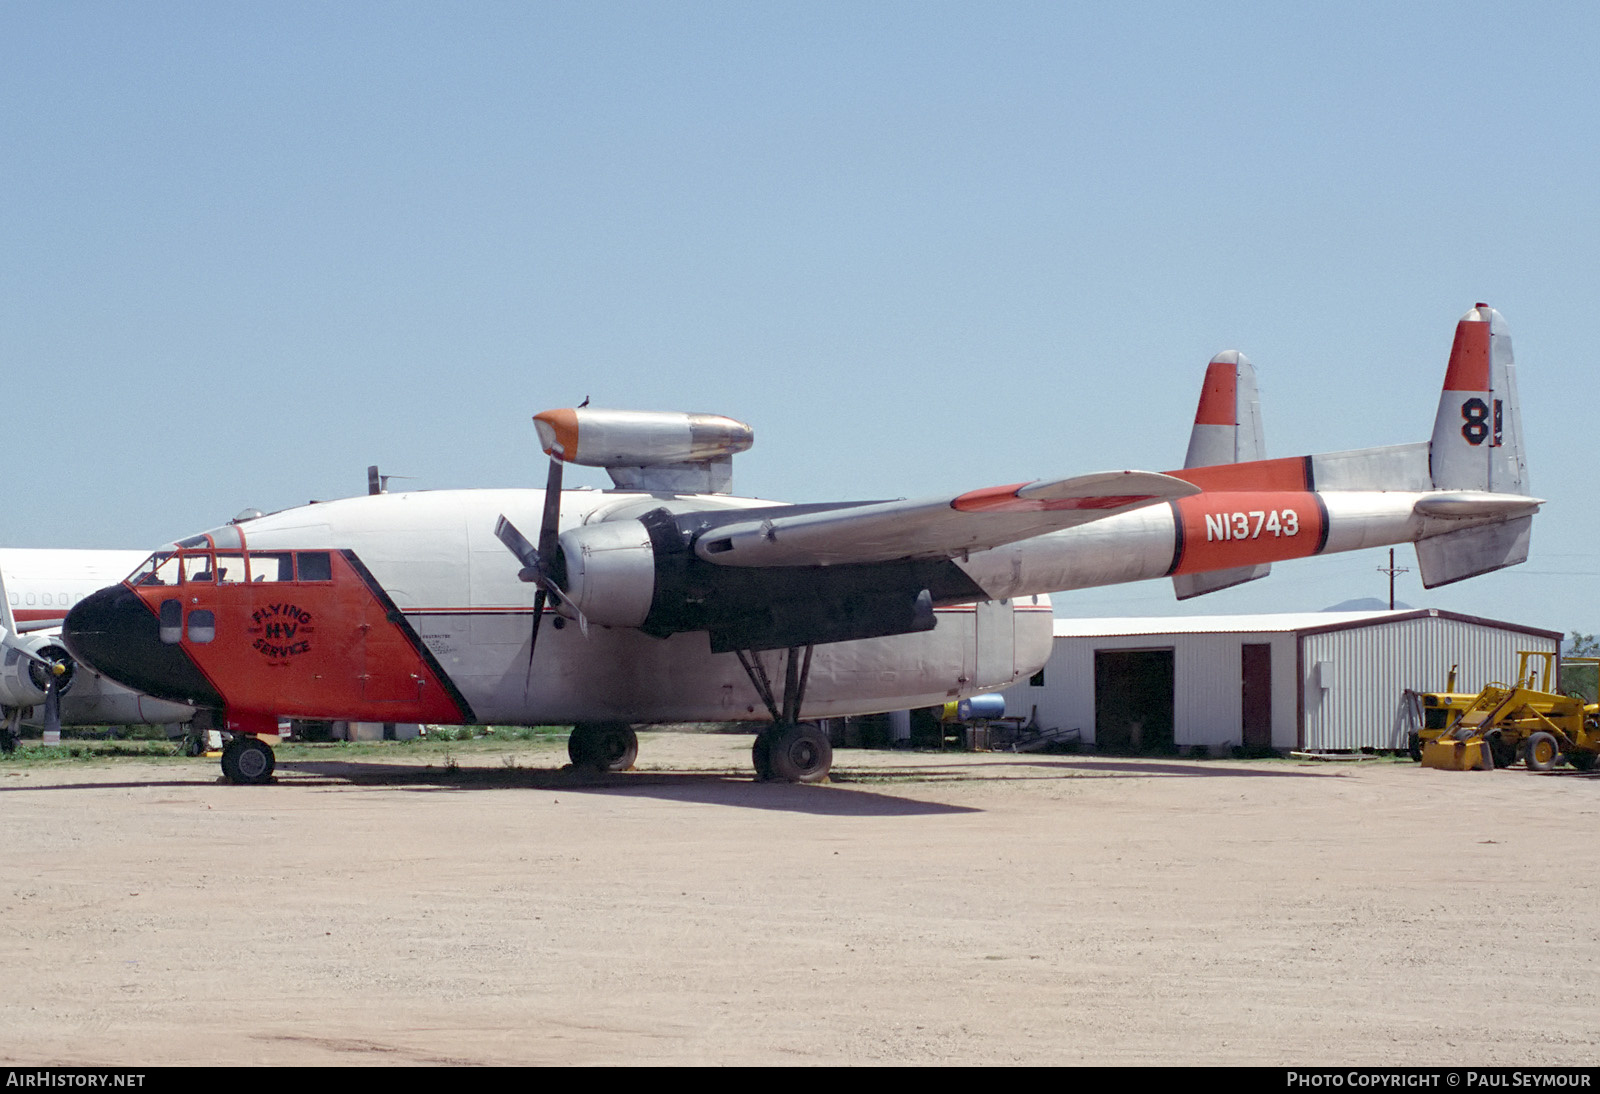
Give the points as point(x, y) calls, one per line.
point(1245, 528)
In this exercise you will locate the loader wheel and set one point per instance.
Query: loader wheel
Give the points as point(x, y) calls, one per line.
point(1541, 752)
point(1583, 761)
point(1503, 751)
point(1414, 748)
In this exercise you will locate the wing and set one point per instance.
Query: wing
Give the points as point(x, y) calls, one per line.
point(936, 528)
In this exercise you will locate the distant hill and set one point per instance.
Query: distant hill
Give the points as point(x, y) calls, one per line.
point(1365, 604)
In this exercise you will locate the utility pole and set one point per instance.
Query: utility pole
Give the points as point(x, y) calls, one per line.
point(1391, 570)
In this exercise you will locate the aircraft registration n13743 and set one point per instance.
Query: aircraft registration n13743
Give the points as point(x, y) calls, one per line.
point(670, 600)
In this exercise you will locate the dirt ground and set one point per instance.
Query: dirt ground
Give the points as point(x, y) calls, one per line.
point(925, 908)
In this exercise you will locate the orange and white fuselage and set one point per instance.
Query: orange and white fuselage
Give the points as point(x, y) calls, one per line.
point(407, 607)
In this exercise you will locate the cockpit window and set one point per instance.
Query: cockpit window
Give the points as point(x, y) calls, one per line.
point(230, 569)
point(161, 568)
point(199, 570)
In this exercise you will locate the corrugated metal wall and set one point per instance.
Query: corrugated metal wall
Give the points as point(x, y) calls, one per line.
point(1370, 667)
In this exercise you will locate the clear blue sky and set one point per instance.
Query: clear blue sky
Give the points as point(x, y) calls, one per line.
point(250, 248)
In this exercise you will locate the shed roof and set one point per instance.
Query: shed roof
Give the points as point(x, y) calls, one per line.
point(1271, 623)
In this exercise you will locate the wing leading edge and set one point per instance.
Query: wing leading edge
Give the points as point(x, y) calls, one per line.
point(936, 528)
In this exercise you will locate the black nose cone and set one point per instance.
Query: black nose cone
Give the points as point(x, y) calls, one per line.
point(116, 634)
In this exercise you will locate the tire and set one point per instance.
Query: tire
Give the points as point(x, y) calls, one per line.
point(1582, 761)
point(248, 761)
point(761, 754)
point(801, 754)
point(1542, 752)
point(1414, 747)
point(1503, 751)
point(603, 746)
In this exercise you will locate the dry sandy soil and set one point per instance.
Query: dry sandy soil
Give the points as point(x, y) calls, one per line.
point(925, 908)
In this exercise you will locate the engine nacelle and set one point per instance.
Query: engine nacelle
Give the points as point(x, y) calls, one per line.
point(639, 438)
point(611, 572)
point(23, 681)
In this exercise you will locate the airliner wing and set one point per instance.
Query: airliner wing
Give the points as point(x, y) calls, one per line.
point(935, 528)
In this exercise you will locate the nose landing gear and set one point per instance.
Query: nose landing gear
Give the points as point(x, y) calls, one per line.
point(248, 761)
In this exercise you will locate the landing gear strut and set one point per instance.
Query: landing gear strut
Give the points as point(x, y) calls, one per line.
point(248, 761)
point(788, 750)
point(606, 746)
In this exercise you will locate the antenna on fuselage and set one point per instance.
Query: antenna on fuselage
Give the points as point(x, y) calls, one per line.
point(379, 484)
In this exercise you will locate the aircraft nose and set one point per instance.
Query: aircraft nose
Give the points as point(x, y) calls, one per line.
point(116, 633)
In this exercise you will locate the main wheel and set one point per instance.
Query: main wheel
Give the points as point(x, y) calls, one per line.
point(606, 746)
point(248, 761)
point(801, 754)
point(1503, 751)
point(1541, 751)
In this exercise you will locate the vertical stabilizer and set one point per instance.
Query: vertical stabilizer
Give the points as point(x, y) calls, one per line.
point(1227, 423)
point(1477, 436)
point(1227, 429)
point(1477, 445)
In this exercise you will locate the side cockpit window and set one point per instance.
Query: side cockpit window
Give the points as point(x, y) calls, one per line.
point(271, 566)
point(314, 566)
point(230, 569)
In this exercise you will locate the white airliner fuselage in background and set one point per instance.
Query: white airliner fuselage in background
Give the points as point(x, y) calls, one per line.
point(38, 587)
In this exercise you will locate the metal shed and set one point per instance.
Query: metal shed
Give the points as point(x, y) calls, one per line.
point(1322, 681)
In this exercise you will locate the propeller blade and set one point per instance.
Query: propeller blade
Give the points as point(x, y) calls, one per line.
point(518, 545)
point(12, 641)
point(550, 525)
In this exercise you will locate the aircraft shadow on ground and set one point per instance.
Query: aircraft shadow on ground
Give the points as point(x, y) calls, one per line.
point(702, 787)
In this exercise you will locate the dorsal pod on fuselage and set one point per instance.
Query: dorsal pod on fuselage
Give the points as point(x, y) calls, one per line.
point(653, 450)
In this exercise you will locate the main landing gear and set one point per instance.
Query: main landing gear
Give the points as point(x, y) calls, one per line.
point(789, 750)
point(248, 761)
point(603, 746)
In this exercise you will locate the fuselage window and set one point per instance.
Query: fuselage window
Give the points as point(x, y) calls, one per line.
point(272, 566)
point(47, 600)
point(315, 566)
point(171, 621)
point(202, 625)
point(15, 600)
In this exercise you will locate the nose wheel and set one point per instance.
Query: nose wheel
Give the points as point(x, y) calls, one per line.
point(248, 761)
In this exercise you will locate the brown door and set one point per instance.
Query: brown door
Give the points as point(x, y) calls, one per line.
point(1256, 684)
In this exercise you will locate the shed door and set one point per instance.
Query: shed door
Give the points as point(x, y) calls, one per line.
point(1256, 694)
point(1133, 700)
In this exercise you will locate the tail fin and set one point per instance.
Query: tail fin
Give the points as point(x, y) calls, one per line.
point(1227, 429)
point(1477, 436)
point(1477, 445)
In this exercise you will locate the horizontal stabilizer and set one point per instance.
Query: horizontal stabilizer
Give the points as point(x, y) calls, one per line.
point(1187, 586)
point(1455, 556)
point(936, 528)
